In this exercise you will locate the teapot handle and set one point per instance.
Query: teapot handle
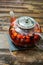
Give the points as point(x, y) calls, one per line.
point(39, 43)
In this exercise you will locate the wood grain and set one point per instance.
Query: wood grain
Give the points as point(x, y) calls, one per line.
point(32, 8)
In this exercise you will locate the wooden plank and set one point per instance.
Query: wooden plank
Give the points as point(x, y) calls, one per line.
point(6, 5)
point(22, 14)
point(39, 20)
point(19, 16)
point(42, 29)
point(23, 2)
point(35, 0)
point(6, 10)
point(20, 6)
point(18, 13)
point(20, 10)
point(12, 6)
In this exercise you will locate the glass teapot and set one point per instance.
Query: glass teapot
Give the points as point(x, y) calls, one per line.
point(24, 31)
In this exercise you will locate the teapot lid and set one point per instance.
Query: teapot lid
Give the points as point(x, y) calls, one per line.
point(25, 22)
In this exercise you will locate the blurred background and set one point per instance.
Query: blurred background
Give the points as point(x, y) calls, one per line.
point(32, 8)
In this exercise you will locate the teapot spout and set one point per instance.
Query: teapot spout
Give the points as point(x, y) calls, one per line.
point(12, 15)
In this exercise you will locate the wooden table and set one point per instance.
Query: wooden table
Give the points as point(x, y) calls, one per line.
point(33, 8)
point(30, 56)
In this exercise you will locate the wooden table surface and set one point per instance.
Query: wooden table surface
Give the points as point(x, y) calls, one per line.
point(32, 8)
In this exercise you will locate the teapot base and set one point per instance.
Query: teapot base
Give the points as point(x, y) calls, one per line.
point(23, 47)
